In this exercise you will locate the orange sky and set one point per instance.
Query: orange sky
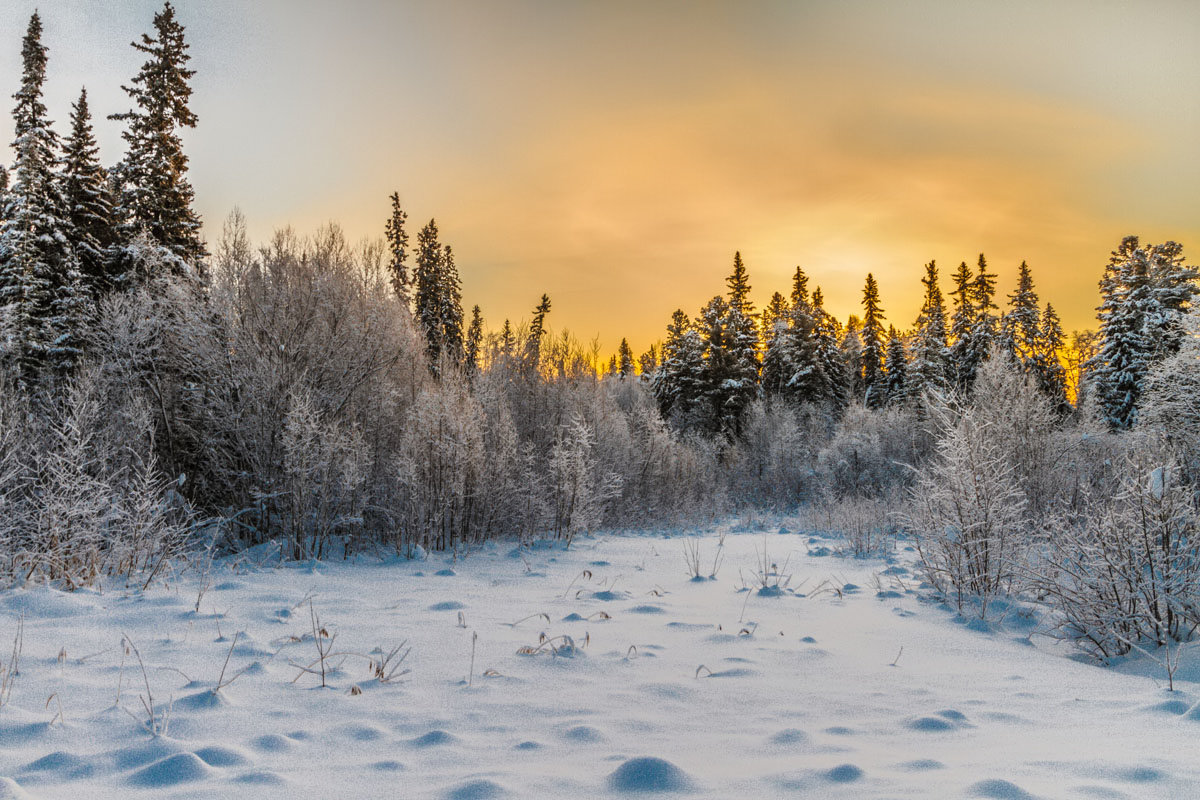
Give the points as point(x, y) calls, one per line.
point(615, 154)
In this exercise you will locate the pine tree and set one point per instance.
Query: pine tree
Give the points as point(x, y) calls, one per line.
point(450, 310)
point(739, 287)
point(625, 360)
point(648, 363)
point(850, 349)
point(962, 323)
point(1144, 293)
point(930, 369)
point(678, 380)
point(1046, 362)
point(1023, 321)
point(155, 194)
point(730, 378)
point(43, 304)
point(474, 343)
point(89, 201)
point(986, 330)
point(428, 300)
point(829, 353)
point(508, 341)
point(897, 389)
point(397, 242)
point(537, 329)
point(873, 346)
point(775, 314)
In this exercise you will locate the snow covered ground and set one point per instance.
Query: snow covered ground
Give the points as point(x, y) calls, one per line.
point(698, 687)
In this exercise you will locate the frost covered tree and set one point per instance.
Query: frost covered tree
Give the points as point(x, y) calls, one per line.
point(739, 287)
point(154, 192)
point(1046, 362)
point(679, 376)
point(829, 353)
point(397, 243)
point(648, 363)
point(438, 298)
point(850, 348)
point(537, 330)
point(730, 373)
point(873, 346)
point(43, 304)
point(89, 201)
point(450, 311)
point(962, 323)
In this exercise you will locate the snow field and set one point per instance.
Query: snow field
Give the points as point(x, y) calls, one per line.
point(603, 670)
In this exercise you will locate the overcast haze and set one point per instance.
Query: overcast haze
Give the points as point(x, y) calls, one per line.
point(615, 154)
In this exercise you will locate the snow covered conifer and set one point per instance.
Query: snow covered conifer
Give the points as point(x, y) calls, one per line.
point(648, 363)
point(474, 342)
point(42, 300)
point(89, 200)
point(155, 194)
point(625, 360)
point(930, 368)
point(1046, 364)
point(677, 381)
point(873, 344)
point(962, 323)
point(829, 353)
point(851, 352)
point(427, 300)
point(537, 329)
point(896, 384)
point(450, 310)
point(730, 377)
point(739, 287)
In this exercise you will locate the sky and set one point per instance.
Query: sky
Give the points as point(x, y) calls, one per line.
point(615, 154)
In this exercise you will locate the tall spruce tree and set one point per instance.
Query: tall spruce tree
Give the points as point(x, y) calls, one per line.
point(739, 287)
point(474, 344)
point(730, 378)
point(427, 300)
point(1023, 320)
point(986, 329)
point(43, 304)
point(537, 329)
point(1144, 293)
point(397, 242)
point(851, 349)
point(896, 383)
point(155, 194)
point(625, 366)
point(1046, 362)
point(873, 344)
point(930, 368)
point(648, 363)
point(962, 324)
point(677, 382)
point(89, 201)
point(450, 309)
point(829, 353)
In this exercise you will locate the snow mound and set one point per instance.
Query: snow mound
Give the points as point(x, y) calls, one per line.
point(997, 789)
point(477, 790)
point(218, 756)
point(649, 774)
point(433, 739)
point(10, 790)
point(447, 605)
point(583, 733)
point(171, 771)
point(844, 773)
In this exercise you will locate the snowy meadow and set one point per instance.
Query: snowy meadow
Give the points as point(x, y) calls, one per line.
point(606, 669)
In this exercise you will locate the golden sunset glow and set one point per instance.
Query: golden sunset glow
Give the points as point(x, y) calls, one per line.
point(614, 155)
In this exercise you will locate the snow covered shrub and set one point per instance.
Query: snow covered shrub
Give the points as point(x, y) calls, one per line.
point(867, 524)
point(1171, 399)
point(968, 513)
point(579, 488)
point(441, 467)
point(872, 452)
point(324, 475)
point(1127, 571)
point(777, 451)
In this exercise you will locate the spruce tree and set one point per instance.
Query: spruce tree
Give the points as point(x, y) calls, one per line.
point(155, 194)
point(428, 301)
point(851, 348)
point(730, 378)
point(930, 369)
point(962, 323)
point(739, 287)
point(897, 388)
point(829, 353)
point(450, 310)
point(474, 344)
point(873, 344)
point(89, 201)
point(625, 366)
point(537, 329)
point(1023, 321)
point(775, 314)
point(648, 363)
point(508, 341)
point(1046, 362)
point(986, 329)
point(43, 304)
point(678, 380)
point(397, 242)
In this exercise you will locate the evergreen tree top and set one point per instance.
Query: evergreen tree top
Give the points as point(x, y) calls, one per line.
point(799, 288)
point(161, 88)
point(30, 109)
point(739, 286)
